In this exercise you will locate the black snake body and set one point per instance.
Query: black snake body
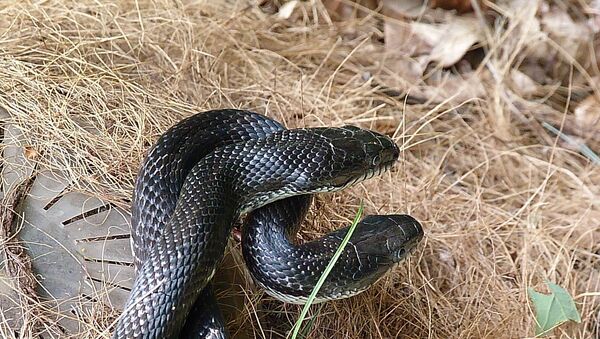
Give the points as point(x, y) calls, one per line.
point(377, 243)
point(205, 172)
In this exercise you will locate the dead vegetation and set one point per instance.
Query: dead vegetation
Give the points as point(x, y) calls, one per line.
point(505, 202)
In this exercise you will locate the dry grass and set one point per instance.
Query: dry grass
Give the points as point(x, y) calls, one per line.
point(504, 207)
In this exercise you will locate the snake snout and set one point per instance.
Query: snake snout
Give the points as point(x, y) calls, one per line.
point(407, 233)
point(410, 227)
point(391, 238)
point(357, 154)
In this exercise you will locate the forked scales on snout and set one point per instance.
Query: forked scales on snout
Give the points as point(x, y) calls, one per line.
point(206, 171)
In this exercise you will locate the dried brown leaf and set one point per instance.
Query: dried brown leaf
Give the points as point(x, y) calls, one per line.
point(522, 83)
point(459, 88)
point(343, 10)
point(567, 33)
point(401, 40)
point(30, 153)
point(286, 10)
point(409, 70)
point(461, 6)
point(451, 88)
point(587, 116)
point(444, 44)
point(450, 41)
point(401, 9)
point(535, 71)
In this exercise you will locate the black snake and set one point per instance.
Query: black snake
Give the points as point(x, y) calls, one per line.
point(208, 170)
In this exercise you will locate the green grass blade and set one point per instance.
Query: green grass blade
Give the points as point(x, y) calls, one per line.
point(328, 269)
point(311, 322)
point(583, 148)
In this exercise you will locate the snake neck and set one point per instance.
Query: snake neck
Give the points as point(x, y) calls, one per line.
point(276, 228)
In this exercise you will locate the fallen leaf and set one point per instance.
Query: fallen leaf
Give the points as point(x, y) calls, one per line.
point(401, 9)
point(286, 10)
point(337, 9)
point(523, 84)
point(532, 69)
point(552, 309)
point(449, 41)
point(454, 88)
point(340, 10)
point(587, 115)
point(409, 70)
point(527, 28)
point(400, 39)
point(593, 10)
point(30, 153)
point(461, 6)
point(568, 34)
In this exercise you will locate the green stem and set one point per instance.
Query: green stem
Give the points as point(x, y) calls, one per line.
point(328, 269)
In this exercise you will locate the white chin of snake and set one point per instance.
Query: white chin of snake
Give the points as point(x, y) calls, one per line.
point(300, 300)
point(369, 175)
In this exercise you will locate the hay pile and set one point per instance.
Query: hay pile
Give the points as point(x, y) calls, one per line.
point(505, 206)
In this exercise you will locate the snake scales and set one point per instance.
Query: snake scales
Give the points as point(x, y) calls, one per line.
point(211, 168)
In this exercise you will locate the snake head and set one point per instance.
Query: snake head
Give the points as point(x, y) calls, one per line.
point(377, 245)
point(354, 154)
point(302, 161)
point(390, 238)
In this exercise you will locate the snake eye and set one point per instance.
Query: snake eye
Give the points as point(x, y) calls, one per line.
point(376, 160)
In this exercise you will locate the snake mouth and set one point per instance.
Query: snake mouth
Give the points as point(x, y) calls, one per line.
point(384, 167)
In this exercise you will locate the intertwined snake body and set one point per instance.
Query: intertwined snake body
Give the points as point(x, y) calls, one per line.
point(208, 170)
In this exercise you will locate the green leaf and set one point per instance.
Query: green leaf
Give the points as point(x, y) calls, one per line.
point(334, 259)
point(552, 309)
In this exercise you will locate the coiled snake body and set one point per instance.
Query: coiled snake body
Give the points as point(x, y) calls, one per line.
point(209, 169)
